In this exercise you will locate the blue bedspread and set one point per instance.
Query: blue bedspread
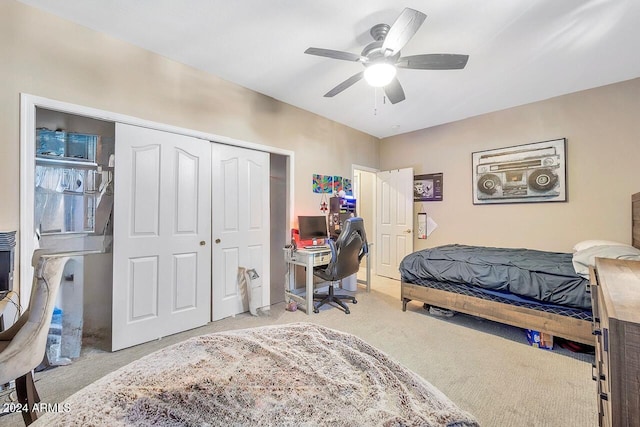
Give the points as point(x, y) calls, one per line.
point(543, 276)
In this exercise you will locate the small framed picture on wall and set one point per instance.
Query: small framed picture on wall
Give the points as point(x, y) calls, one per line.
point(427, 187)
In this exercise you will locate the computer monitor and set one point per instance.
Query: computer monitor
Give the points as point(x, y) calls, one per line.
point(312, 227)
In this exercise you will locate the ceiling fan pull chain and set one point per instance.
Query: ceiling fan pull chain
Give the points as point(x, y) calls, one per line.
point(375, 101)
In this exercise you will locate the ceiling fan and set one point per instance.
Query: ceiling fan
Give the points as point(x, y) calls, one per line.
point(381, 57)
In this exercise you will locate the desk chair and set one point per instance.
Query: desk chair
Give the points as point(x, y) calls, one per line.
point(346, 253)
point(23, 345)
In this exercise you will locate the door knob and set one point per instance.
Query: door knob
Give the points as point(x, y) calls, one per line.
point(202, 243)
point(217, 240)
point(408, 230)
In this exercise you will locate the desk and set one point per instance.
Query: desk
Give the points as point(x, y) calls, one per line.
point(305, 258)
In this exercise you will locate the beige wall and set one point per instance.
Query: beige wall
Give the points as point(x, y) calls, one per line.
point(602, 127)
point(49, 57)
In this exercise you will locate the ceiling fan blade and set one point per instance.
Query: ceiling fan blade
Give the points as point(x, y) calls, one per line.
point(335, 54)
point(394, 91)
point(435, 61)
point(402, 30)
point(344, 85)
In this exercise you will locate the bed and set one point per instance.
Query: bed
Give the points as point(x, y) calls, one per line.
point(500, 284)
point(300, 374)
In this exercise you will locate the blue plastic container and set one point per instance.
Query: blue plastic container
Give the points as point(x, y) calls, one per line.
point(51, 142)
point(54, 338)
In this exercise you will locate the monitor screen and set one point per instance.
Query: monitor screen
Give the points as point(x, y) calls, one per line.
point(312, 227)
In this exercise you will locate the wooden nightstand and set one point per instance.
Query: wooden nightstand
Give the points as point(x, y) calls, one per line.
point(615, 296)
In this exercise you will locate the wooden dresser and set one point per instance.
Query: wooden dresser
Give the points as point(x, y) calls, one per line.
point(615, 296)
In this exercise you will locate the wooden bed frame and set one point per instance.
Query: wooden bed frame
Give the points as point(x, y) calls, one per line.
point(554, 324)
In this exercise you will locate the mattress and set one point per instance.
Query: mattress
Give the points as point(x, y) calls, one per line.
point(545, 277)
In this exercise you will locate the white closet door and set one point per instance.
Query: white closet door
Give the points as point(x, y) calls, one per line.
point(241, 227)
point(162, 232)
point(394, 240)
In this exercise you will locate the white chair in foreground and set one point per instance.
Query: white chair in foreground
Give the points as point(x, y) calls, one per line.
point(23, 345)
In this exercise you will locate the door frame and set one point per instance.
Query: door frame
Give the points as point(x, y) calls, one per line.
point(28, 105)
point(371, 236)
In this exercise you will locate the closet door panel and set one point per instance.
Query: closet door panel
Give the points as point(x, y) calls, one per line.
point(162, 234)
point(145, 194)
point(187, 183)
point(143, 288)
point(241, 228)
point(185, 282)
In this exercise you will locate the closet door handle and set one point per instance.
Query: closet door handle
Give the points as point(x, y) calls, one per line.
point(218, 240)
point(202, 243)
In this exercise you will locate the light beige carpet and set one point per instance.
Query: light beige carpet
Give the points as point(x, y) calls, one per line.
point(290, 375)
point(484, 367)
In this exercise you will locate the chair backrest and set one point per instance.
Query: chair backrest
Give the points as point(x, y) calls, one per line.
point(347, 250)
point(27, 339)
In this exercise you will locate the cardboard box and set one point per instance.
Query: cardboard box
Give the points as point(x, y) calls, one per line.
point(540, 339)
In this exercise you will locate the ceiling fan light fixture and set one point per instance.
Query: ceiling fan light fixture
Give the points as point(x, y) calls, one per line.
point(379, 74)
point(382, 57)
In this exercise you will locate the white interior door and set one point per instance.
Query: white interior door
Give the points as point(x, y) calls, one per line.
point(394, 222)
point(241, 227)
point(162, 232)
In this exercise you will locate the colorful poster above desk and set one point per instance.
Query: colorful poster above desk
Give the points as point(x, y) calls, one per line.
point(328, 184)
point(337, 184)
point(322, 183)
point(427, 187)
point(348, 188)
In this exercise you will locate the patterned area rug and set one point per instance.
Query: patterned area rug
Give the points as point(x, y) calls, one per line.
point(299, 374)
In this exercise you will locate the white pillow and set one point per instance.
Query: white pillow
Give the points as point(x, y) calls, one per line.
point(586, 257)
point(586, 244)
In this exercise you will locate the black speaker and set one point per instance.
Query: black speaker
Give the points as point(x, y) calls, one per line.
point(6, 270)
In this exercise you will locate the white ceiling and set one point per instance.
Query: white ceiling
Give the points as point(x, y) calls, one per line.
point(520, 51)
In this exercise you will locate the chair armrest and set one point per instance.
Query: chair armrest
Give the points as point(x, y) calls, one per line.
point(334, 251)
point(8, 334)
point(365, 251)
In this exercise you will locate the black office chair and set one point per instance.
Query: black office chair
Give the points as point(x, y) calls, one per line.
point(346, 253)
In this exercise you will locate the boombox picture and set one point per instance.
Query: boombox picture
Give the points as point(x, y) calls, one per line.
point(525, 173)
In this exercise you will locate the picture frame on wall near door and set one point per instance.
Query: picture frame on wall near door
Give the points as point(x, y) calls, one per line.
point(526, 173)
point(427, 187)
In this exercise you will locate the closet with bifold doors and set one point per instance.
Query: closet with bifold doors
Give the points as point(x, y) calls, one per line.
point(164, 220)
